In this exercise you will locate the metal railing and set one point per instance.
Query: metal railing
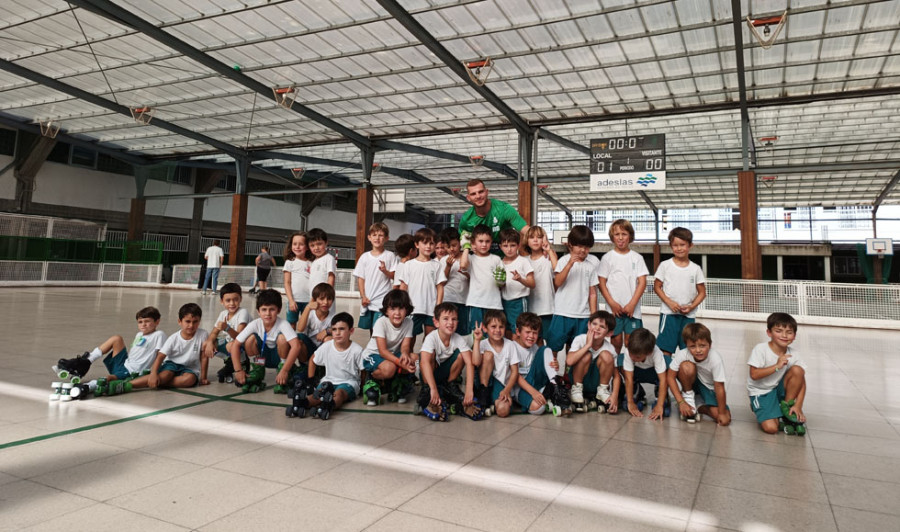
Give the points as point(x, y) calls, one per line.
point(45, 273)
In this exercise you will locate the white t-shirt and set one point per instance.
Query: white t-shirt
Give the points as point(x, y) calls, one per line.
point(571, 299)
point(319, 270)
point(540, 301)
point(377, 283)
point(433, 344)
point(143, 351)
point(214, 256)
point(579, 342)
point(185, 352)
point(621, 273)
point(679, 284)
point(483, 290)
point(422, 278)
point(710, 371)
point(300, 287)
point(398, 268)
point(394, 336)
point(526, 357)
point(655, 360)
point(503, 360)
point(457, 288)
point(341, 367)
point(314, 325)
point(256, 327)
point(762, 356)
point(514, 289)
point(240, 316)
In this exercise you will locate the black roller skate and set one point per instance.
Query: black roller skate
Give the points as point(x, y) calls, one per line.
point(299, 395)
point(485, 398)
point(80, 391)
point(789, 423)
point(452, 395)
point(424, 406)
point(73, 368)
point(226, 374)
point(557, 394)
point(325, 394)
point(401, 386)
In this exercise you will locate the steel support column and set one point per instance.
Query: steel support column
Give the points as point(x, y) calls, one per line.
point(364, 203)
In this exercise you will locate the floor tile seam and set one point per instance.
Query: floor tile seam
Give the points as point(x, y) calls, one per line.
point(886, 514)
point(854, 477)
point(782, 496)
point(703, 453)
point(198, 527)
point(858, 389)
point(379, 505)
point(419, 431)
point(647, 472)
point(895, 440)
point(385, 516)
point(763, 463)
point(813, 446)
point(825, 486)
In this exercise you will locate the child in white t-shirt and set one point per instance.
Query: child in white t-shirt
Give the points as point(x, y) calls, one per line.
point(481, 266)
point(314, 326)
point(592, 360)
point(543, 262)
point(576, 294)
point(681, 288)
point(623, 278)
point(297, 260)
point(268, 341)
point(423, 277)
point(324, 265)
point(372, 277)
point(498, 359)
point(456, 290)
point(343, 361)
point(229, 324)
point(777, 380)
point(519, 279)
point(443, 358)
point(700, 371)
point(537, 365)
point(388, 355)
point(643, 363)
point(177, 363)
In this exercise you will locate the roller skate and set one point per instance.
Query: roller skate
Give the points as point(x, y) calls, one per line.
point(689, 399)
point(484, 397)
point(226, 374)
point(603, 396)
point(558, 397)
point(424, 406)
point(576, 395)
point(118, 387)
point(73, 368)
point(279, 389)
point(640, 398)
point(134, 374)
point(372, 390)
point(789, 422)
point(401, 386)
point(80, 391)
point(299, 395)
point(325, 394)
point(256, 379)
point(452, 395)
point(57, 390)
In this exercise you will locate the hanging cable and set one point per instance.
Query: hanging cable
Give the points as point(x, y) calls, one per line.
point(91, 48)
point(250, 125)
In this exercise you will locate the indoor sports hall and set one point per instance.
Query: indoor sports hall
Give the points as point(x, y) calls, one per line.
point(135, 136)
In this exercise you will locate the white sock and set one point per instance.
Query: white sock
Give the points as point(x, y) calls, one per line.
point(95, 354)
point(548, 358)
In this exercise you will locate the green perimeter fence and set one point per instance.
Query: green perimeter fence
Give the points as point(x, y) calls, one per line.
point(24, 248)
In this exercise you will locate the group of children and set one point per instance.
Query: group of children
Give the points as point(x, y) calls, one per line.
point(496, 331)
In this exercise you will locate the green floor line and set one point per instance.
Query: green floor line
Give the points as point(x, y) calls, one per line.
point(101, 425)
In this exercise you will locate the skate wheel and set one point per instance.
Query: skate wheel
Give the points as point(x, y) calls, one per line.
point(289, 411)
point(65, 398)
point(229, 380)
point(801, 430)
point(601, 409)
point(324, 414)
point(556, 411)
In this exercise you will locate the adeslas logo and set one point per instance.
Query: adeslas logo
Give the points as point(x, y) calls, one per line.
point(646, 180)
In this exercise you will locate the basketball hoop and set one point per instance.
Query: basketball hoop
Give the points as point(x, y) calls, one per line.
point(479, 70)
point(298, 172)
point(49, 129)
point(142, 115)
point(543, 187)
point(768, 180)
point(767, 39)
point(285, 96)
point(476, 160)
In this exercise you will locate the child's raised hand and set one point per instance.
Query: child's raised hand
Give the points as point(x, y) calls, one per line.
point(221, 325)
point(312, 305)
point(782, 361)
point(450, 260)
point(545, 245)
point(382, 267)
point(477, 332)
point(516, 276)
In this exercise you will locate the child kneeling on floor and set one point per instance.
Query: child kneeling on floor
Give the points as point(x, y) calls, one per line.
point(777, 381)
point(177, 363)
point(343, 361)
point(537, 365)
point(700, 371)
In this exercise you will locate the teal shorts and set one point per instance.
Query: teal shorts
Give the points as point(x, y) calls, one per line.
point(179, 370)
point(591, 379)
point(563, 330)
point(307, 343)
point(670, 326)
point(536, 377)
point(269, 353)
point(708, 395)
point(627, 325)
point(293, 317)
point(373, 361)
point(546, 319)
point(115, 365)
point(496, 388)
point(420, 321)
point(351, 393)
point(476, 315)
point(512, 308)
point(367, 320)
point(442, 371)
point(462, 328)
point(768, 405)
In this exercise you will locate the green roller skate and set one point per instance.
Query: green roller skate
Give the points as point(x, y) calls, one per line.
point(281, 389)
point(789, 423)
point(102, 387)
point(372, 390)
point(119, 387)
point(500, 275)
point(256, 379)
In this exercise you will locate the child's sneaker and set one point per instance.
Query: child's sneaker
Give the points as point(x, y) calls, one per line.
point(576, 394)
point(689, 399)
point(77, 366)
point(603, 396)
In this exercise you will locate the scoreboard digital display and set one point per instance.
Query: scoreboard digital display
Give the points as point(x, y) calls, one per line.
point(628, 163)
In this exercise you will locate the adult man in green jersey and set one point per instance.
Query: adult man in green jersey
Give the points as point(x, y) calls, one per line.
point(496, 214)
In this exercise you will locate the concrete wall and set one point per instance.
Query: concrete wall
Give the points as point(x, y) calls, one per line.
point(7, 180)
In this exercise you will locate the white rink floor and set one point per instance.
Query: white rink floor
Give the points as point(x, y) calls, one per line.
point(175, 461)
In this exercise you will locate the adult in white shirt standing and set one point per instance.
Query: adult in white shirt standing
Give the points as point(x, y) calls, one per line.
point(214, 256)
